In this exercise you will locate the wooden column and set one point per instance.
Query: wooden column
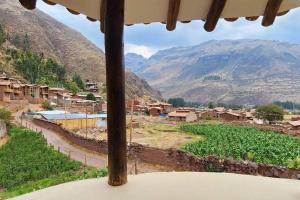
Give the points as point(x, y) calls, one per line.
point(115, 81)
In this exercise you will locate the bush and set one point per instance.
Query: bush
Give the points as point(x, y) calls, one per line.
point(5, 115)
point(90, 96)
point(270, 112)
point(46, 105)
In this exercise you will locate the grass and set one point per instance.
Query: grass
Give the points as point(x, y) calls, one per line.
point(244, 143)
point(27, 163)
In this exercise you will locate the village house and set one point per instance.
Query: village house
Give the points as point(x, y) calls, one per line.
point(185, 116)
point(165, 107)
point(155, 111)
point(136, 105)
point(5, 91)
point(208, 114)
point(44, 92)
point(231, 116)
point(91, 86)
point(295, 125)
point(75, 121)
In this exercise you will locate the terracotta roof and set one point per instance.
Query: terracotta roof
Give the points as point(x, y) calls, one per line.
point(178, 114)
point(148, 11)
point(232, 113)
point(294, 123)
point(5, 83)
point(158, 108)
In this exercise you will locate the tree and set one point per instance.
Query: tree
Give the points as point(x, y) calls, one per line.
point(3, 35)
point(270, 112)
point(211, 105)
point(5, 115)
point(77, 79)
point(72, 86)
point(90, 96)
point(26, 43)
point(16, 41)
point(46, 105)
point(176, 102)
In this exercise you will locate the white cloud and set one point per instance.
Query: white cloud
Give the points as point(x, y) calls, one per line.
point(140, 49)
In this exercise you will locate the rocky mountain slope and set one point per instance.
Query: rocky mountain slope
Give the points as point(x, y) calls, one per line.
point(239, 72)
point(55, 40)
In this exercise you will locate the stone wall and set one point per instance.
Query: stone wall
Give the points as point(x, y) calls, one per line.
point(175, 159)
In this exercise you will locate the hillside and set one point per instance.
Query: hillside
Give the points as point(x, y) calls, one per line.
point(55, 40)
point(239, 72)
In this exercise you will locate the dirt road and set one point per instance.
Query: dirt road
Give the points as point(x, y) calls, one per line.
point(80, 154)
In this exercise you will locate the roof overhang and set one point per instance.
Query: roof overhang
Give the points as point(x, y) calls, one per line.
point(149, 11)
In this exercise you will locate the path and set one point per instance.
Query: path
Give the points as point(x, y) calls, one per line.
point(80, 154)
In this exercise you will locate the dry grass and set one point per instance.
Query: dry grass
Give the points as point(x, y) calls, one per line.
point(154, 132)
point(3, 141)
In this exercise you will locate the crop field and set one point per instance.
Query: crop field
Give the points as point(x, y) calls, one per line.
point(27, 164)
point(244, 143)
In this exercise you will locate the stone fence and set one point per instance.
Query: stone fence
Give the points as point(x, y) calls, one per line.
point(175, 159)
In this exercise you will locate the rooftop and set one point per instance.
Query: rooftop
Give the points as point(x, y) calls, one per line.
point(294, 123)
point(175, 186)
point(73, 116)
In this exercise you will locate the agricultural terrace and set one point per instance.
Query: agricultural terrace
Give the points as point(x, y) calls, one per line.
point(27, 163)
point(244, 143)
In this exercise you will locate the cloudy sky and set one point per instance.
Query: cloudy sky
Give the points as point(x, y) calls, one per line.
point(148, 39)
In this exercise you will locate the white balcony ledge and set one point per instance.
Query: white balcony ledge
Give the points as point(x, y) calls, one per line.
point(175, 186)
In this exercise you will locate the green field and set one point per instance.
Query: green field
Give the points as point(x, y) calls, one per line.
point(27, 164)
point(244, 143)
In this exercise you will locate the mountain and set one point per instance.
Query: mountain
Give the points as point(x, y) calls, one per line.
point(136, 63)
point(55, 40)
point(229, 71)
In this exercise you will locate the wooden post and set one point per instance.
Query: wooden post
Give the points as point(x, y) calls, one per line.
point(131, 119)
point(115, 81)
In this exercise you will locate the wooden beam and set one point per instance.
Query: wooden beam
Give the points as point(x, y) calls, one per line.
point(115, 81)
point(173, 11)
point(49, 2)
point(283, 13)
point(73, 11)
point(29, 4)
point(231, 19)
point(252, 18)
point(91, 19)
point(214, 14)
point(102, 15)
point(271, 11)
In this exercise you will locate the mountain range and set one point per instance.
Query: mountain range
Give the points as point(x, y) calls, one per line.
point(55, 40)
point(228, 71)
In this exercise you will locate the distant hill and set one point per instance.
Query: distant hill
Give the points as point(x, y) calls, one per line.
point(136, 63)
point(229, 71)
point(55, 40)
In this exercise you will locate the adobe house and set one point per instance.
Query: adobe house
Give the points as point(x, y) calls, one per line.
point(183, 116)
point(44, 92)
point(165, 107)
point(155, 111)
point(295, 125)
point(231, 116)
point(91, 86)
point(113, 15)
point(6, 91)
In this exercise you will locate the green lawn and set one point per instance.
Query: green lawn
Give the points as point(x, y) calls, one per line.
point(28, 164)
point(244, 143)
